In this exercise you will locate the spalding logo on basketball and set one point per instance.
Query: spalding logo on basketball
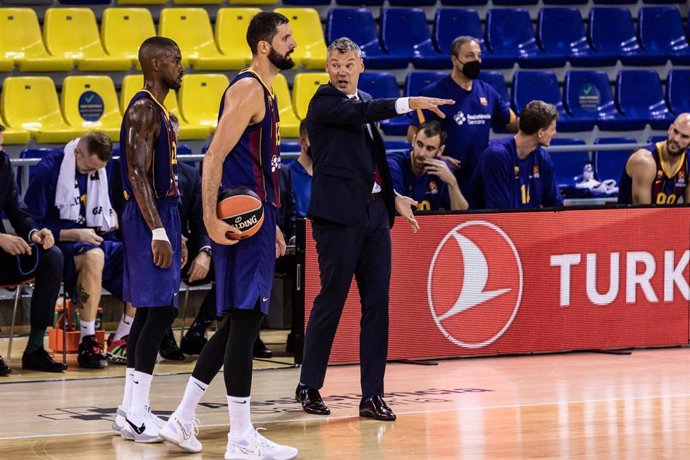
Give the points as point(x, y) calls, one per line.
point(241, 208)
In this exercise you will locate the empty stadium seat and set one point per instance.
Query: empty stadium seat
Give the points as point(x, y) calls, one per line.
point(358, 24)
point(191, 30)
point(397, 145)
point(90, 102)
point(609, 164)
point(588, 96)
point(511, 39)
point(123, 30)
point(21, 42)
point(359, 2)
point(252, 2)
point(568, 165)
point(200, 96)
point(497, 82)
point(384, 85)
point(308, 33)
point(306, 2)
point(678, 90)
point(87, 3)
point(303, 88)
point(133, 83)
point(406, 35)
point(543, 85)
point(31, 103)
point(612, 34)
point(409, 3)
point(197, 2)
point(231, 34)
point(141, 2)
point(32, 153)
point(415, 82)
point(289, 123)
point(561, 32)
point(640, 97)
point(451, 22)
point(661, 34)
point(13, 136)
point(565, 2)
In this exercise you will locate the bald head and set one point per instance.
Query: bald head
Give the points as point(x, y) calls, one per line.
point(160, 60)
point(678, 138)
point(155, 48)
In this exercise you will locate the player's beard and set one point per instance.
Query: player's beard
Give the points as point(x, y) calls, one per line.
point(281, 62)
point(677, 153)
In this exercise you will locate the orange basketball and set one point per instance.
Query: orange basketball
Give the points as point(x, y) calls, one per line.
point(241, 208)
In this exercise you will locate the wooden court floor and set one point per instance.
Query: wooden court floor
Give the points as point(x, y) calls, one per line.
point(577, 405)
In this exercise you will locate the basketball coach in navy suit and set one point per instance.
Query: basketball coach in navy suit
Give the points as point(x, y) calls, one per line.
point(352, 208)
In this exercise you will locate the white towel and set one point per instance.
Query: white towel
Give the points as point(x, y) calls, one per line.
point(99, 211)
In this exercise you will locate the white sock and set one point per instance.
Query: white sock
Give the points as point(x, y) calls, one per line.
point(141, 388)
point(127, 398)
point(123, 327)
point(192, 395)
point(87, 328)
point(240, 420)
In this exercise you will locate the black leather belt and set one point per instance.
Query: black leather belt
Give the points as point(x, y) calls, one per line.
point(374, 196)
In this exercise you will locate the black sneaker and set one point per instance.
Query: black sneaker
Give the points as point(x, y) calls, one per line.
point(261, 350)
point(4, 368)
point(192, 345)
point(40, 360)
point(169, 349)
point(91, 353)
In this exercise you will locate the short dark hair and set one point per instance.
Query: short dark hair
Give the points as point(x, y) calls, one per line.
point(98, 143)
point(153, 45)
point(434, 128)
point(537, 115)
point(263, 27)
point(457, 43)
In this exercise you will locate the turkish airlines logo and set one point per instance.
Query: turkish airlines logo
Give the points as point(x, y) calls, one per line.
point(474, 285)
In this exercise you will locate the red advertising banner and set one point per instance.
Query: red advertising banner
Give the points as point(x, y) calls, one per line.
point(503, 283)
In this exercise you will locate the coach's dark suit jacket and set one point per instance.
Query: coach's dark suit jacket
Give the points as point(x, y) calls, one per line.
point(10, 202)
point(342, 151)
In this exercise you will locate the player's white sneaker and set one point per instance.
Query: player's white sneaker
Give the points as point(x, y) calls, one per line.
point(142, 425)
point(120, 423)
point(182, 434)
point(255, 446)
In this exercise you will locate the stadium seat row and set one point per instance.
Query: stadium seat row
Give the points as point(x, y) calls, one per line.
point(510, 36)
point(71, 38)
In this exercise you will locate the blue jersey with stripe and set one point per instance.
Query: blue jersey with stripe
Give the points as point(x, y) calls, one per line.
point(428, 190)
point(163, 173)
point(502, 180)
point(254, 162)
point(668, 186)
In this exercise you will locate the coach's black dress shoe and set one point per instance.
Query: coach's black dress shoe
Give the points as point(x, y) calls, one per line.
point(40, 360)
point(4, 368)
point(375, 407)
point(311, 400)
point(261, 350)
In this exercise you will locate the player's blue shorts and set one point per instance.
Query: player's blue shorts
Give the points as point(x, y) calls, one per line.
point(144, 284)
point(244, 271)
point(112, 267)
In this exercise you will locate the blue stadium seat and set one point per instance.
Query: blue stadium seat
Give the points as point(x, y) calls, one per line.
point(411, 2)
point(511, 39)
point(543, 85)
point(450, 23)
point(615, 2)
point(416, 81)
point(514, 2)
point(663, 2)
point(561, 32)
point(464, 2)
point(359, 3)
point(37, 152)
point(358, 24)
point(568, 165)
point(655, 139)
point(678, 90)
point(641, 99)
point(306, 3)
point(397, 145)
point(289, 147)
point(612, 34)
point(497, 82)
point(406, 35)
point(661, 33)
point(384, 85)
point(565, 2)
point(588, 95)
point(609, 164)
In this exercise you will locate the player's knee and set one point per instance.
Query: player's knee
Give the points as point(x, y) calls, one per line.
point(93, 260)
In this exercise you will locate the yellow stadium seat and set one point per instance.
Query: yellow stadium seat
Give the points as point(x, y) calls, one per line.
point(231, 34)
point(90, 102)
point(133, 83)
point(289, 123)
point(14, 136)
point(191, 29)
point(31, 103)
point(73, 33)
point(6, 64)
point(308, 33)
point(197, 2)
point(200, 96)
point(123, 30)
point(142, 2)
point(21, 41)
point(303, 89)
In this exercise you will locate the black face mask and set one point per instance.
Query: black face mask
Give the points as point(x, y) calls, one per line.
point(471, 69)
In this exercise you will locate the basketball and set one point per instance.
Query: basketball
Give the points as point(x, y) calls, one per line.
point(241, 208)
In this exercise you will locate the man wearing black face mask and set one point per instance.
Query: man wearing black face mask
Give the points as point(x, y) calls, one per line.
point(295, 185)
point(477, 109)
